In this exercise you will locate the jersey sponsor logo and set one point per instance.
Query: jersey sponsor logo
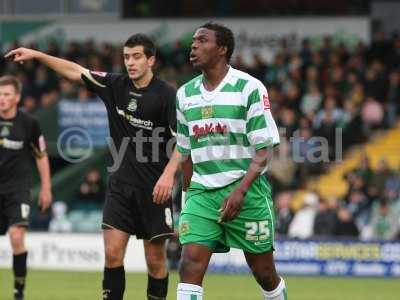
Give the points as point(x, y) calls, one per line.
point(207, 112)
point(5, 131)
point(101, 74)
point(42, 144)
point(132, 106)
point(145, 124)
point(191, 104)
point(12, 145)
point(200, 131)
point(266, 104)
point(135, 94)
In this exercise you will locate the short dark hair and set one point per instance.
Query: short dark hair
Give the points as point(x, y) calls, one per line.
point(224, 35)
point(11, 80)
point(140, 39)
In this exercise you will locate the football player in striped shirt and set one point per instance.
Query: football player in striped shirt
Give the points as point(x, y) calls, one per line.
point(225, 130)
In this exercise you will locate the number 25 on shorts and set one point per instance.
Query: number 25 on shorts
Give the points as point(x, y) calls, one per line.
point(257, 231)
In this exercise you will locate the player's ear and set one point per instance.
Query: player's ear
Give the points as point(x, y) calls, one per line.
point(151, 61)
point(18, 97)
point(223, 50)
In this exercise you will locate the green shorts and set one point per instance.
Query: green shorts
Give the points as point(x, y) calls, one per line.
point(252, 230)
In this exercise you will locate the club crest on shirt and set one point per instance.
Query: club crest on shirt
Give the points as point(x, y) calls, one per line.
point(132, 106)
point(207, 112)
point(184, 228)
point(135, 94)
point(5, 131)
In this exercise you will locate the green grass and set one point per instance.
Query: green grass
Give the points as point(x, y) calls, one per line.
point(46, 285)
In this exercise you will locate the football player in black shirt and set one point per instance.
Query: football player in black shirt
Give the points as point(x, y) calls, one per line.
point(20, 140)
point(142, 120)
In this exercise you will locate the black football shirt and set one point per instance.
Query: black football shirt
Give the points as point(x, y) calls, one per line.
point(20, 140)
point(142, 125)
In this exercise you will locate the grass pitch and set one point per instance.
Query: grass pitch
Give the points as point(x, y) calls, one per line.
point(49, 285)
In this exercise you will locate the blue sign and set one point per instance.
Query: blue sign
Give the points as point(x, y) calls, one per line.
point(86, 119)
point(328, 257)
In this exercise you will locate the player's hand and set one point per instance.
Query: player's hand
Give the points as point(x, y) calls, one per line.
point(45, 199)
point(163, 189)
point(22, 54)
point(231, 206)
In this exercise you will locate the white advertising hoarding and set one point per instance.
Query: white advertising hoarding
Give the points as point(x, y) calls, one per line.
point(83, 252)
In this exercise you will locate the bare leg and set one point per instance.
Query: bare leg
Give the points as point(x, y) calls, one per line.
point(263, 268)
point(115, 242)
point(194, 263)
point(156, 259)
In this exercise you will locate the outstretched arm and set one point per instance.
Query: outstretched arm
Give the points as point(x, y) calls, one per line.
point(65, 68)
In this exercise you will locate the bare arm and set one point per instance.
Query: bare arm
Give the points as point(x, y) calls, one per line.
point(233, 203)
point(187, 170)
point(65, 68)
point(258, 164)
point(45, 196)
point(163, 189)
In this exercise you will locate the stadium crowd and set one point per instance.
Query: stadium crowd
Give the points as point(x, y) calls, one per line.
point(369, 210)
point(313, 92)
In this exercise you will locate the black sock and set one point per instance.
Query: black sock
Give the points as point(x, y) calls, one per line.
point(157, 289)
point(114, 283)
point(19, 268)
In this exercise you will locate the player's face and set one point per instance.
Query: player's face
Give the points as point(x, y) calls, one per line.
point(205, 52)
point(136, 62)
point(9, 98)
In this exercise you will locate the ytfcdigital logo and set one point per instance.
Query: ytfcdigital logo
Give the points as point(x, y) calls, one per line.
point(75, 145)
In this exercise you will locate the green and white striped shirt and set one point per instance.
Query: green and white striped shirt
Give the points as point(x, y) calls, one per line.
point(222, 129)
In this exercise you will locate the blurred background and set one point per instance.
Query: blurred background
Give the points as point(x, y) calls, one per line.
point(332, 70)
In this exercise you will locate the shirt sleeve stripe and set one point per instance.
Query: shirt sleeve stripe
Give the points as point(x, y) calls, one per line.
point(256, 123)
point(254, 97)
point(183, 129)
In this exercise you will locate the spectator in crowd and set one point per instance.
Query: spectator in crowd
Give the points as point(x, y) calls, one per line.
point(60, 222)
point(359, 207)
point(91, 191)
point(302, 225)
point(364, 169)
point(284, 214)
point(345, 227)
point(326, 218)
point(330, 113)
point(393, 98)
point(381, 175)
point(311, 101)
point(351, 125)
point(371, 115)
point(384, 222)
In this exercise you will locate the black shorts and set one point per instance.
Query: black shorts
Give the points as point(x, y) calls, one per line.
point(14, 209)
point(133, 211)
